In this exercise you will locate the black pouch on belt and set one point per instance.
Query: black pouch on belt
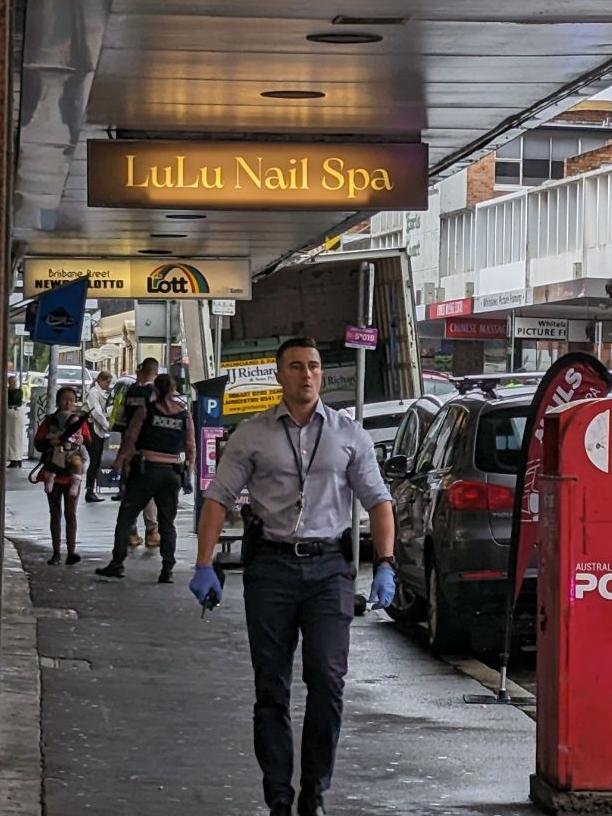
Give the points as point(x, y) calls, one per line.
point(252, 535)
point(346, 545)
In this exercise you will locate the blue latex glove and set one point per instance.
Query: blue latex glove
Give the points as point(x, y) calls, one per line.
point(383, 586)
point(204, 580)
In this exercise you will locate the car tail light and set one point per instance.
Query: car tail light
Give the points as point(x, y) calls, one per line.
point(471, 495)
point(500, 498)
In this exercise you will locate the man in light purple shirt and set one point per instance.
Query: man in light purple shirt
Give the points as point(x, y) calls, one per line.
point(301, 462)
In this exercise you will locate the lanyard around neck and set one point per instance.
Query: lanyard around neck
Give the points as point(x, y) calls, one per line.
point(298, 464)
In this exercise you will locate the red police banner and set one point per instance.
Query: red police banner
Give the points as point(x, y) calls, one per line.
point(572, 377)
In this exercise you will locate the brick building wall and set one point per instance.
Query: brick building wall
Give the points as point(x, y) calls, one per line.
point(591, 160)
point(308, 302)
point(587, 116)
point(481, 180)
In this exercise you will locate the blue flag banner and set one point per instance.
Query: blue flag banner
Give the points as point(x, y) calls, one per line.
point(59, 314)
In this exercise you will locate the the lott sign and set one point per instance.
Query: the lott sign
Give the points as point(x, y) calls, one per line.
point(475, 329)
point(252, 175)
point(154, 279)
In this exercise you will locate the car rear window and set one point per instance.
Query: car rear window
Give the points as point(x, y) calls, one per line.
point(67, 373)
point(499, 439)
point(383, 421)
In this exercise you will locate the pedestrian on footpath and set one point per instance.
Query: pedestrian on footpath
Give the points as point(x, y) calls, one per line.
point(157, 437)
point(137, 396)
point(59, 452)
point(300, 461)
point(14, 424)
point(96, 400)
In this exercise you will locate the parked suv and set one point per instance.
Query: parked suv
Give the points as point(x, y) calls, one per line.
point(453, 496)
point(74, 376)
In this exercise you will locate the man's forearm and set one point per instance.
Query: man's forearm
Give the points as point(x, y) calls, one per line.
point(382, 529)
point(212, 519)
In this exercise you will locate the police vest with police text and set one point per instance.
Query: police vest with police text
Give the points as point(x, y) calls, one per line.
point(163, 433)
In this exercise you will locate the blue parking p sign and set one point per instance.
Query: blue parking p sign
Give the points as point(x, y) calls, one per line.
point(212, 406)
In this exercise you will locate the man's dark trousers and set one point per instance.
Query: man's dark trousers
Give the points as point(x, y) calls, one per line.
point(285, 595)
point(95, 450)
point(159, 482)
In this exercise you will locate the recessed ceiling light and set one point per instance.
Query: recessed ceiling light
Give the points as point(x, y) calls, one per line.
point(293, 94)
point(345, 19)
point(186, 216)
point(340, 38)
point(155, 252)
point(168, 235)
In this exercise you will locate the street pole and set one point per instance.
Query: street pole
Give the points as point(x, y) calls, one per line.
point(168, 338)
point(52, 378)
point(512, 340)
point(599, 337)
point(365, 295)
point(21, 361)
point(218, 330)
point(83, 370)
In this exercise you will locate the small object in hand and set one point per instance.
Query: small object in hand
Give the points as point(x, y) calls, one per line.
point(210, 602)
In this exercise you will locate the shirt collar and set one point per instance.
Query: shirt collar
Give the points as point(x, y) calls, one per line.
point(281, 410)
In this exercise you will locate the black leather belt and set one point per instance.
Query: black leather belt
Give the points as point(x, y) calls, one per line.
point(301, 549)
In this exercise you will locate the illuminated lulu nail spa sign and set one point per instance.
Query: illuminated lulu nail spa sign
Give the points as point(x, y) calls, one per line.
point(262, 175)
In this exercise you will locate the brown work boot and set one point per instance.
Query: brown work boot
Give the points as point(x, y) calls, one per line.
point(134, 540)
point(152, 538)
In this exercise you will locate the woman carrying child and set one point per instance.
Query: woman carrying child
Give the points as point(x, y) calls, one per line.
point(61, 438)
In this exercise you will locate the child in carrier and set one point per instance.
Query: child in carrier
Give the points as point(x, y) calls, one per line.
point(61, 438)
point(68, 457)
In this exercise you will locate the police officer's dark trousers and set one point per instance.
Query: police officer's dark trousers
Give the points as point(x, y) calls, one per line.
point(162, 483)
point(286, 595)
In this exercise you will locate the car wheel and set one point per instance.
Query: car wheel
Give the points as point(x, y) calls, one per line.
point(405, 607)
point(446, 636)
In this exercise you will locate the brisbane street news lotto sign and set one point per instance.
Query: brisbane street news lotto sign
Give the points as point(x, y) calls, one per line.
point(256, 175)
point(153, 278)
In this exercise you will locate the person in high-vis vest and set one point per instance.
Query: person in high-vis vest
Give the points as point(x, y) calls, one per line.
point(138, 395)
point(159, 445)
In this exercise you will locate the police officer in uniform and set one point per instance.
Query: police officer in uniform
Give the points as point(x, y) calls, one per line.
point(161, 431)
point(300, 462)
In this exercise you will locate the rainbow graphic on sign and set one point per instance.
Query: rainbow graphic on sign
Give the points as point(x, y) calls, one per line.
point(177, 279)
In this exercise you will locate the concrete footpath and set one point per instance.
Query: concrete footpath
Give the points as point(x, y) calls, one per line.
point(117, 698)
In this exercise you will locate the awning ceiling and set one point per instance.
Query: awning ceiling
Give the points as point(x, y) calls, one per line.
point(455, 73)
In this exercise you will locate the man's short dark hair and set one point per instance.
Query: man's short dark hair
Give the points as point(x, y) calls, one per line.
point(295, 342)
point(149, 366)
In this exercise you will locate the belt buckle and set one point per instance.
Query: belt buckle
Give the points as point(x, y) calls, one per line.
point(296, 550)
